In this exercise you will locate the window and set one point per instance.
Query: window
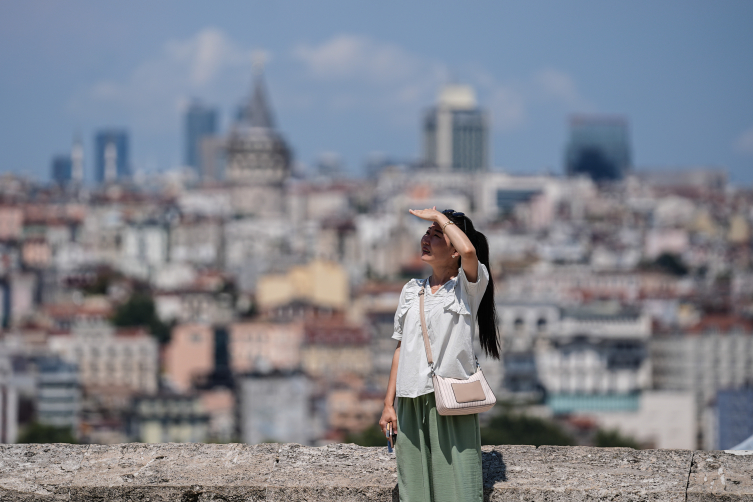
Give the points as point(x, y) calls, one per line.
point(541, 325)
point(518, 324)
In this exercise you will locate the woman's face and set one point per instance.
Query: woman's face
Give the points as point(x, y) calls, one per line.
point(436, 247)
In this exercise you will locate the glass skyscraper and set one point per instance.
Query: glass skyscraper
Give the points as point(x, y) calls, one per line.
point(62, 169)
point(456, 132)
point(200, 122)
point(111, 160)
point(599, 147)
point(67, 169)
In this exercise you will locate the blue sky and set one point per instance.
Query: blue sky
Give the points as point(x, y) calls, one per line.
point(353, 77)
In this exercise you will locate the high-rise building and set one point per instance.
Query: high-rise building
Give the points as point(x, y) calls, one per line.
point(599, 147)
point(62, 168)
point(111, 155)
point(456, 132)
point(200, 122)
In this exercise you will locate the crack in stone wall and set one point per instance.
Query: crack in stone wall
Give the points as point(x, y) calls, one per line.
point(291, 473)
point(690, 469)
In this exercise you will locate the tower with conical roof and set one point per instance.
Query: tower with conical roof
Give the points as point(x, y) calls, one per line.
point(256, 153)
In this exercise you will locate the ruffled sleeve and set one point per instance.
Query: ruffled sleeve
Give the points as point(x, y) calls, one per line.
point(457, 303)
point(407, 297)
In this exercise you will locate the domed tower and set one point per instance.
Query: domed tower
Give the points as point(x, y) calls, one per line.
point(258, 158)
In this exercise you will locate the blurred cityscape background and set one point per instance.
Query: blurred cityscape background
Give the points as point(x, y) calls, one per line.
point(204, 223)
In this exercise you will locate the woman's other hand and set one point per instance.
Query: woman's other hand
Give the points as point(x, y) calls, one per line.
point(426, 214)
point(388, 416)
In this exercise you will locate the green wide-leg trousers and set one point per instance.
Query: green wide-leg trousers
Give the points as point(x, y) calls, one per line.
point(438, 457)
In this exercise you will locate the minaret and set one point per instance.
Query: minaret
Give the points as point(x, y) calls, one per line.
point(77, 161)
point(111, 162)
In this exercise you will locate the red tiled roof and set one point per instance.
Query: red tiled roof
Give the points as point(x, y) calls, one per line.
point(722, 324)
point(131, 332)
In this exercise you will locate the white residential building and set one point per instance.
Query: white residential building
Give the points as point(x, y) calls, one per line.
point(575, 355)
point(197, 241)
point(664, 419)
point(126, 359)
point(275, 407)
point(143, 249)
point(702, 364)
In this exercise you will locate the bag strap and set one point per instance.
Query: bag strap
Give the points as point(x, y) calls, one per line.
point(425, 332)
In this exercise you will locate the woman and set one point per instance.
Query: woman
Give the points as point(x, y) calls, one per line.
point(439, 457)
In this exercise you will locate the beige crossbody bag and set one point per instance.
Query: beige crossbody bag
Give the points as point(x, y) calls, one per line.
point(454, 396)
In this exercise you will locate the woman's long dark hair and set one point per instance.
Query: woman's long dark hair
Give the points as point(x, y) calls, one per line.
point(488, 330)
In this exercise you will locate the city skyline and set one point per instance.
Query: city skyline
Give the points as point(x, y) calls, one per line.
point(358, 79)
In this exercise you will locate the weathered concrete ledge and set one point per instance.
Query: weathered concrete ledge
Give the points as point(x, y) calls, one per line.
point(291, 472)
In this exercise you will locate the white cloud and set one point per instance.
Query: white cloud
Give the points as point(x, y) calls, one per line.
point(516, 101)
point(105, 90)
point(205, 55)
point(744, 143)
point(379, 76)
point(506, 101)
point(359, 58)
point(559, 87)
point(346, 73)
point(385, 77)
point(508, 108)
point(150, 97)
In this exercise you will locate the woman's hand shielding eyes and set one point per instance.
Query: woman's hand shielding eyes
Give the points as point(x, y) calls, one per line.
point(426, 214)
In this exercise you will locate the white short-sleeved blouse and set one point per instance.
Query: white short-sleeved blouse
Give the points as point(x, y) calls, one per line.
point(451, 322)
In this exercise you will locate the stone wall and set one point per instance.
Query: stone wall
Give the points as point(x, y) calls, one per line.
point(291, 473)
